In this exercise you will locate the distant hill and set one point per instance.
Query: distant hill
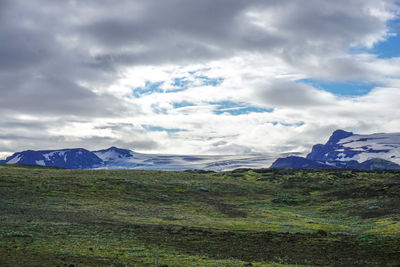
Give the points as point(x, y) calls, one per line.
point(78, 158)
point(347, 150)
point(294, 162)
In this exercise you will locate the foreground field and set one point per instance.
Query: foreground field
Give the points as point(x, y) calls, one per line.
point(56, 217)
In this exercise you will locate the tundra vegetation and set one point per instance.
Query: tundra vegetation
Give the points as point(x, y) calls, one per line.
point(266, 217)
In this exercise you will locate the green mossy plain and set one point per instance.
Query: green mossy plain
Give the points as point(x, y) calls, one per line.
point(58, 217)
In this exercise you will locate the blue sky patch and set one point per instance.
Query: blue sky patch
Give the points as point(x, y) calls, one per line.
point(385, 49)
point(183, 104)
point(236, 109)
point(341, 88)
point(297, 124)
point(178, 84)
point(210, 81)
point(154, 128)
point(181, 83)
point(184, 83)
point(149, 88)
point(391, 47)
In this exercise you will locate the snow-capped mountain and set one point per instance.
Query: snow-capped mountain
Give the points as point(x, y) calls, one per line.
point(346, 146)
point(348, 150)
point(113, 154)
point(117, 158)
point(77, 158)
point(343, 150)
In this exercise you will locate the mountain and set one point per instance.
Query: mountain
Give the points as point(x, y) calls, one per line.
point(346, 146)
point(353, 151)
point(117, 158)
point(77, 158)
point(113, 154)
point(342, 150)
point(304, 163)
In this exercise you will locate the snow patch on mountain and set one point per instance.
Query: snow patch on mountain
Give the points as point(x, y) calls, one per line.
point(66, 158)
point(113, 153)
point(40, 163)
point(59, 154)
point(354, 151)
point(15, 159)
point(381, 145)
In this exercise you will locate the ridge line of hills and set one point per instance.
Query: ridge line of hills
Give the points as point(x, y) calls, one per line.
point(117, 158)
point(343, 150)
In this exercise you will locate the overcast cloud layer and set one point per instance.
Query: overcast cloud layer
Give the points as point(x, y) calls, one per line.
point(194, 77)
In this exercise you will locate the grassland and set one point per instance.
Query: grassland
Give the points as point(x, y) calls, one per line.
point(57, 217)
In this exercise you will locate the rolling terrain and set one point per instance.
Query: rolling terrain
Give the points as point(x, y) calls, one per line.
point(265, 217)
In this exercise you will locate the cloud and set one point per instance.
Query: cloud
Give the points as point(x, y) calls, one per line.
point(69, 71)
point(290, 94)
point(159, 32)
point(55, 96)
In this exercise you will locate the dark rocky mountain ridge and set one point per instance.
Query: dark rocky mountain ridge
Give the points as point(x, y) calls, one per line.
point(347, 150)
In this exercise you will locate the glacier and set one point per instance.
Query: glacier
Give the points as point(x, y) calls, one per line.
point(117, 158)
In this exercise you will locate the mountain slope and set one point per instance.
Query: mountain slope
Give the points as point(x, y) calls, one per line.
point(78, 158)
point(293, 162)
point(354, 151)
point(346, 146)
point(113, 154)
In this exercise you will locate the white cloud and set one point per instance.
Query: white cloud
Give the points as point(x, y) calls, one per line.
point(73, 68)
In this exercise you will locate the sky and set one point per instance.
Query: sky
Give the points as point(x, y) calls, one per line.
point(196, 77)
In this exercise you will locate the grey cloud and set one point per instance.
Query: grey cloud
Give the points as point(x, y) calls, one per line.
point(142, 145)
point(326, 21)
point(343, 69)
point(56, 96)
point(174, 31)
point(229, 149)
point(49, 49)
point(39, 74)
point(283, 93)
point(170, 20)
point(137, 138)
point(93, 143)
point(19, 134)
point(3, 5)
point(22, 48)
point(219, 143)
point(177, 30)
